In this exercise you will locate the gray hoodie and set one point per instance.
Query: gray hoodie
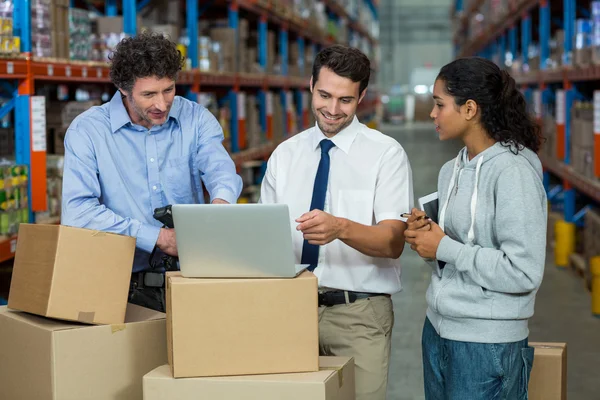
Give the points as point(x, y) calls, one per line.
point(493, 210)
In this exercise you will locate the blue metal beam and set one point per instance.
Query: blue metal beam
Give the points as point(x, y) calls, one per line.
point(525, 39)
point(22, 131)
point(283, 51)
point(569, 25)
point(111, 8)
point(263, 33)
point(22, 27)
point(7, 107)
point(142, 5)
point(286, 128)
point(512, 38)
point(192, 29)
point(502, 49)
point(233, 125)
point(299, 110)
point(569, 97)
point(8, 88)
point(544, 35)
point(301, 46)
point(129, 17)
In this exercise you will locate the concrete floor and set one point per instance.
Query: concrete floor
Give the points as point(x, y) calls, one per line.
point(562, 308)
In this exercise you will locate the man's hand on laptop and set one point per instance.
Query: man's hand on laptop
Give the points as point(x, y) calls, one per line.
point(167, 242)
point(219, 201)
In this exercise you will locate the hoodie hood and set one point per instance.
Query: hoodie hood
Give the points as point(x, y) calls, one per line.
point(496, 150)
point(476, 163)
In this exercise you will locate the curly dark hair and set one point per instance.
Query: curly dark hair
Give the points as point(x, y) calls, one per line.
point(346, 62)
point(142, 56)
point(504, 113)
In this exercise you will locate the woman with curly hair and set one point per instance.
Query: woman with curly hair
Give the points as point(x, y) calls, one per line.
point(145, 149)
point(489, 245)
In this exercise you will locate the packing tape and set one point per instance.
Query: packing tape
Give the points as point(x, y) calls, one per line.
point(117, 328)
point(87, 317)
point(339, 373)
point(98, 233)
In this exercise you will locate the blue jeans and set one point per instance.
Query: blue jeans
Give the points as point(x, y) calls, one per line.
point(455, 370)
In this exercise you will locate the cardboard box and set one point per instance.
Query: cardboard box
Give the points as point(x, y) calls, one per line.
point(333, 381)
point(218, 327)
point(170, 31)
point(72, 274)
point(45, 359)
point(106, 25)
point(548, 379)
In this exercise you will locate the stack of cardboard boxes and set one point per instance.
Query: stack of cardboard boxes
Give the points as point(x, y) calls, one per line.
point(68, 332)
point(252, 338)
point(582, 138)
point(59, 116)
point(41, 28)
point(79, 35)
point(227, 48)
point(75, 336)
point(255, 135)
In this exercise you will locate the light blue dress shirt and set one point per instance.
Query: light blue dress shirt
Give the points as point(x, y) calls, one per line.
point(116, 172)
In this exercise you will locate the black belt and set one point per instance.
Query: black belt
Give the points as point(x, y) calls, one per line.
point(336, 297)
point(148, 279)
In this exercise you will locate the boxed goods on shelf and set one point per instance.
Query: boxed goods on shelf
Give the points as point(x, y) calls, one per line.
point(41, 30)
point(54, 174)
point(14, 207)
point(80, 34)
point(582, 139)
point(9, 44)
point(61, 29)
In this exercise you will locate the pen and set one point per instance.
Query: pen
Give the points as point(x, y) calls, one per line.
point(406, 215)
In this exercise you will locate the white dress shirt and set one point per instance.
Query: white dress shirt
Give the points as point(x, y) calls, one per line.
point(370, 180)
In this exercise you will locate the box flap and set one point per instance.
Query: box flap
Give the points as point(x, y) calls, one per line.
point(91, 277)
point(177, 278)
point(33, 270)
point(548, 348)
point(328, 368)
point(48, 324)
point(135, 313)
point(25, 358)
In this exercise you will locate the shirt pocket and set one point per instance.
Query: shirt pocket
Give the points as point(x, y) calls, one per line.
point(178, 182)
point(356, 205)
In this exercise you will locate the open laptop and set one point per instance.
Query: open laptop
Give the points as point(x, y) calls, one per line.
point(234, 241)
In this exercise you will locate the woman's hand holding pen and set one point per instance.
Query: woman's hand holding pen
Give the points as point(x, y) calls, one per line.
point(423, 235)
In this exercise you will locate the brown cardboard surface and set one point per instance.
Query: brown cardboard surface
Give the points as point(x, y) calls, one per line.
point(46, 359)
point(72, 274)
point(333, 381)
point(548, 379)
point(219, 327)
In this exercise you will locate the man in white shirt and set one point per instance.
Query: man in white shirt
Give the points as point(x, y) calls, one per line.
point(346, 186)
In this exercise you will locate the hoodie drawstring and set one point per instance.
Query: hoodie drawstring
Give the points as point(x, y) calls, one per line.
point(471, 235)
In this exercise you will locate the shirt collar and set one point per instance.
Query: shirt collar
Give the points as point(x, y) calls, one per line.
point(119, 116)
point(342, 139)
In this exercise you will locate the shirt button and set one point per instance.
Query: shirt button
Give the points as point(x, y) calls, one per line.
point(152, 160)
point(154, 187)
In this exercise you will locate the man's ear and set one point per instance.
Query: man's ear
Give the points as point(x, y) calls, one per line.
point(362, 96)
point(471, 109)
point(311, 84)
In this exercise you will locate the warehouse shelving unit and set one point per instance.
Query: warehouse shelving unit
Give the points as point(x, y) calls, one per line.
point(24, 72)
point(534, 18)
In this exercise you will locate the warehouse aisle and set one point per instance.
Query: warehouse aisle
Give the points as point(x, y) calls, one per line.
point(562, 307)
